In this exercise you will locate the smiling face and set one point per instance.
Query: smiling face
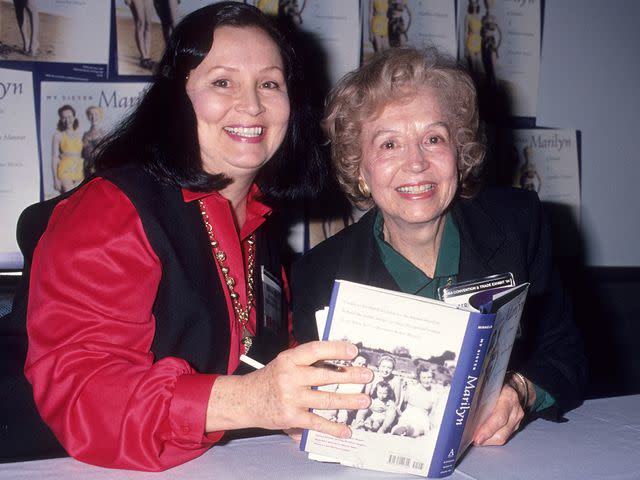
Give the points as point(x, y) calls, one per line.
point(67, 117)
point(427, 377)
point(240, 100)
point(382, 392)
point(359, 361)
point(94, 116)
point(385, 368)
point(409, 161)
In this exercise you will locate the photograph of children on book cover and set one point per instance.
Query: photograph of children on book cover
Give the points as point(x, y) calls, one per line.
point(413, 355)
point(73, 118)
point(55, 31)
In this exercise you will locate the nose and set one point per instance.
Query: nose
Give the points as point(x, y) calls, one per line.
point(249, 102)
point(416, 160)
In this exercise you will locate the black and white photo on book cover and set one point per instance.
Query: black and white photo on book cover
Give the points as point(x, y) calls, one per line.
point(437, 371)
point(74, 116)
point(19, 166)
point(413, 354)
point(63, 31)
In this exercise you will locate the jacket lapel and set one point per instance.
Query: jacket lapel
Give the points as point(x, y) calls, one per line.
point(481, 241)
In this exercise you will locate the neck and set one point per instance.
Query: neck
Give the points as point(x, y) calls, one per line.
point(419, 244)
point(237, 193)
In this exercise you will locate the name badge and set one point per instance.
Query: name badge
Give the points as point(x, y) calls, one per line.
point(272, 317)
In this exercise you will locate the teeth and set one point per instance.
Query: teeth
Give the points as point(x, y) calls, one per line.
point(245, 131)
point(416, 189)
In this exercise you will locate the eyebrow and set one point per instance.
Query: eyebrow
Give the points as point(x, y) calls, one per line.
point(385, 131)
point(234, 69)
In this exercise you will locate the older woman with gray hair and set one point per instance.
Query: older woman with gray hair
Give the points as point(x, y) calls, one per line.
point(406, 142)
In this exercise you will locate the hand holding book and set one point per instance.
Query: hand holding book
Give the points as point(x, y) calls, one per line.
point(283, 394)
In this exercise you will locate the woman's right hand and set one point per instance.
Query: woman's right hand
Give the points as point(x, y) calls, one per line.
point(279, 395)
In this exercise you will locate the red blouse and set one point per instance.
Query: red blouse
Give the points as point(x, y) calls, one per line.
point(91, 326)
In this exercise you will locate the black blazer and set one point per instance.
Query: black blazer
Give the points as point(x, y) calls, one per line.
point(501, 230)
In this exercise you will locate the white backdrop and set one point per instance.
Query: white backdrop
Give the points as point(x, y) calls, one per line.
point(590, 81)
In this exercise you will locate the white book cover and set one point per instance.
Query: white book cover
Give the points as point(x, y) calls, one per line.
point(438, 369)
point(74, 116)
point(19, 166)
point(413, 353)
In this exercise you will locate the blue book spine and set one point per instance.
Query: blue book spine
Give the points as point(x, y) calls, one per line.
point(463, 388)
point(325, 336)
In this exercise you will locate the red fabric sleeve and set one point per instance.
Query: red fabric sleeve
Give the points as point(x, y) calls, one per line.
point(93, 282)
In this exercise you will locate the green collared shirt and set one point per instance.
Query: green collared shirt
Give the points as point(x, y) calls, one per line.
point(412, 280)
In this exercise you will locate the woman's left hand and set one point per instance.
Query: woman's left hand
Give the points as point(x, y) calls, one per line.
point(503, 422)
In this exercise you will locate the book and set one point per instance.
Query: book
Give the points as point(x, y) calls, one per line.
point(438, 369)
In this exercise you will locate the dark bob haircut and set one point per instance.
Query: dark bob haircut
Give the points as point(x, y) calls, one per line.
point(61, 127)
point(161, 132)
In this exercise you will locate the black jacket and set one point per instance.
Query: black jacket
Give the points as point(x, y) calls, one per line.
point(500, 231)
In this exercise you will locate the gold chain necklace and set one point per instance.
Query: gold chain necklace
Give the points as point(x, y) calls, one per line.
point(242, 313)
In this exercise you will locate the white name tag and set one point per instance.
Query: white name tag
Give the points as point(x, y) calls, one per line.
point(271, 301)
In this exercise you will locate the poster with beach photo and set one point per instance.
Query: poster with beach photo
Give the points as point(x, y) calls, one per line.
point(547, 162)
point(142, 29)
point(66, 31)
point(416, 23)
point(74, 116)
point(19, 166)
point(333, 29)
point(500, 41)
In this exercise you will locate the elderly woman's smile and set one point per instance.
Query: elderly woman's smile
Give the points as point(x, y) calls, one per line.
point(409, 161)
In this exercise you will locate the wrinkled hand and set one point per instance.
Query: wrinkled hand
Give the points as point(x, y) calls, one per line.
point(503, 422)
point(279, 395)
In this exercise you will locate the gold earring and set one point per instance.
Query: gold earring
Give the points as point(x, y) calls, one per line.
point(363, 188)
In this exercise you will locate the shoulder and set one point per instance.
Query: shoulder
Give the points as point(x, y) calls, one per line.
point(90, 204)
point(508, 208)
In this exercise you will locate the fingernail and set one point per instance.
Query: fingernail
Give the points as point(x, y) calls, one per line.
point(352, 349)
point(363, 402)
point(346, 433)
point(367, 375)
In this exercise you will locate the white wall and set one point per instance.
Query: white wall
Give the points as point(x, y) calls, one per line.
point(590, 81)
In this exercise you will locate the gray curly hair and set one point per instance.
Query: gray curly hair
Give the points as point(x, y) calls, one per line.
point(387, 77)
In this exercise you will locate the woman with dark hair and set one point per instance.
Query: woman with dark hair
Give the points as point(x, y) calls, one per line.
point(66, 151)
point(151, 279)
